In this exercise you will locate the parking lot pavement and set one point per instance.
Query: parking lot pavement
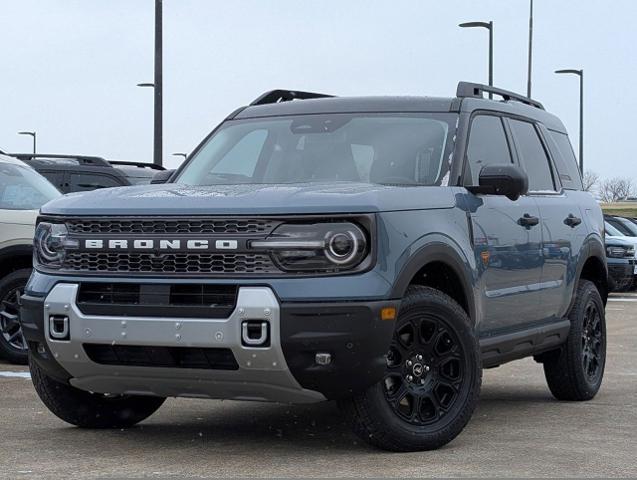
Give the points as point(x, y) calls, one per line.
point(517, 430)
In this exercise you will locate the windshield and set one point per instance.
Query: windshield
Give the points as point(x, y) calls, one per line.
point(612, 231)
point(21, 188)
point(398, 149)
point(627, 226)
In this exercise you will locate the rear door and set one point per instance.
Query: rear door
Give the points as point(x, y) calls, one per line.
point(561, 218)
point(506, 235)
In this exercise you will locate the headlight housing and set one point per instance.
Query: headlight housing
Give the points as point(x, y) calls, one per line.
point(316, 247)
point(50, 244)
point(620, 252)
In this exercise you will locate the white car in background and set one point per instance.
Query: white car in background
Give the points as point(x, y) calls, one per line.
point(612, 233)
point(22, 192)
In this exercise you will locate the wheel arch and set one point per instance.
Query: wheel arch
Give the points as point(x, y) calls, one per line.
point(593, 267)
point(440, 266)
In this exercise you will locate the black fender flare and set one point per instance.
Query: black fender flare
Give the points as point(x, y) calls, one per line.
point(594, 248)
point(438, 252)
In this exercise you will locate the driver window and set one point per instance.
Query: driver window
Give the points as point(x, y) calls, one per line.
point(242, 158)
point(487, 146)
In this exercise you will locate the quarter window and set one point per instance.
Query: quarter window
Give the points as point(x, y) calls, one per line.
point(487, 146)
point(532, 156)
point(566, 162)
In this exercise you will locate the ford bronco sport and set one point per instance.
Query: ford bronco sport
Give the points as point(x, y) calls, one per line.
point(376, 251)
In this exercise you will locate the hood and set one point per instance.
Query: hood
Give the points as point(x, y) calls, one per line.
point(246, 199)
point(617, 240)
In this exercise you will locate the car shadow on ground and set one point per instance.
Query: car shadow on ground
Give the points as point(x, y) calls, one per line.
point(278, 427)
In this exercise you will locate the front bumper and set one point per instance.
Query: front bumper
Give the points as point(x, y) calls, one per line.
point(284, 371)
point(621, 271)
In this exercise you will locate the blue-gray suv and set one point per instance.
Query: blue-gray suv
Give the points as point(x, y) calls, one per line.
point(377, 251)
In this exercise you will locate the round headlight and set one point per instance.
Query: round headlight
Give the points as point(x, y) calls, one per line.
point(342, 247)
point(318, 247)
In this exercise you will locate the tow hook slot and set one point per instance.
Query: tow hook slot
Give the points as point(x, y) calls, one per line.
point(59, 327)
point(255, 333)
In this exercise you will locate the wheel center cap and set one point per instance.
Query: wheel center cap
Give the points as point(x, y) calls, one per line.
point(418, 369)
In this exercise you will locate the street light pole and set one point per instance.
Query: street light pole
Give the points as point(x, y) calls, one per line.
point(580, 74)
point(179, 154)
point(32, 134)
point(488, 26)
point(528, 85)
point(158, 91)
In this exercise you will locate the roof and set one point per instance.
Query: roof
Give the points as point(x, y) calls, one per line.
point(348, 105)
point(469, 98)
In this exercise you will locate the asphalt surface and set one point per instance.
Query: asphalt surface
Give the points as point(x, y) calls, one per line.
point(518, 430)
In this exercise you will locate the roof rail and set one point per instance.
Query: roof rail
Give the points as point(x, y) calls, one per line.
point(127, 163)
point(476, 90)
point(81, 159)
point(277, 96)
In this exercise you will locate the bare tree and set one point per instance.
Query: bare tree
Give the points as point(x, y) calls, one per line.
point(616, 189)
point(590, 180)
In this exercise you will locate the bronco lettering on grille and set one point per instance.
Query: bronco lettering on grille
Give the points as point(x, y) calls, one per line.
point(159, 244)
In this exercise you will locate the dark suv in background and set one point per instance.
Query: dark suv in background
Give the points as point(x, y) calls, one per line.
point(79, 173)
point(378, 251)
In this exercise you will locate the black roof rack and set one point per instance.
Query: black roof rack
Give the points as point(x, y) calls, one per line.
point(277, 96)
point(127, 163)
point(476, 90)
point(81, 159)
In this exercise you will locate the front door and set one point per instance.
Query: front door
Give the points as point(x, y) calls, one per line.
point(507, 236)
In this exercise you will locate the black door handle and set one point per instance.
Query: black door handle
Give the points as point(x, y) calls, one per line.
point(528, 221)
point(572, 221)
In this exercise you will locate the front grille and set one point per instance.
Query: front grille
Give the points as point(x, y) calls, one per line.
point(161, 300)
point(168, 226)
point(184, 263)
point(166, 357)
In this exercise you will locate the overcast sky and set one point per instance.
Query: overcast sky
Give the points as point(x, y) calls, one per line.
point(68, 68)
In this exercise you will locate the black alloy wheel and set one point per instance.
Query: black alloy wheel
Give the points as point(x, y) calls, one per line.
point(425, 370)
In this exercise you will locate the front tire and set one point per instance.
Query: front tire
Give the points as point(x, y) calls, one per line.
point(432, 381)
point(13, 345)
point(91, 410)
point(576, 371)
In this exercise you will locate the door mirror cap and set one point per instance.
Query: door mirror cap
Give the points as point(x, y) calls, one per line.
point(162, 176)
point(506, 179)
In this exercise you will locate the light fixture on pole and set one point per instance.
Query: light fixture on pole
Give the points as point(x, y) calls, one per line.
point(488, 26)
point(580, 74)
point(32, 134)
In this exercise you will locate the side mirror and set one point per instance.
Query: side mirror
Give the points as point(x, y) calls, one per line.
point(162, 176)
point(506, 179)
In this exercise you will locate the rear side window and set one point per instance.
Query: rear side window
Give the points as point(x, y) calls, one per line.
point(565, 162)
point(487, 146)
point(533, 156)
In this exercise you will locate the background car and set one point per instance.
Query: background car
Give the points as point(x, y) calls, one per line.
point(79, 173)
point(22, 192)
point(620, 257)
point(612, 234)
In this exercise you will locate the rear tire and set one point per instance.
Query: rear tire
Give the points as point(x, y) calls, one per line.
point(576, 371)
point(432, 381)
point(91, 410)
point(13, 346)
